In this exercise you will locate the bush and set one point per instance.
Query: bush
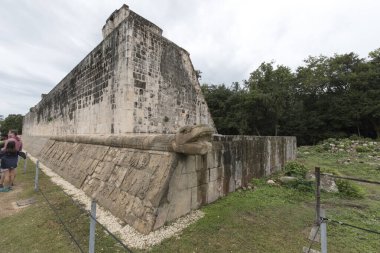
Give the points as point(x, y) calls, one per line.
point(295, 169)
point(301, 185)
point(362, 149)
point(354, 137)
point(349, 189)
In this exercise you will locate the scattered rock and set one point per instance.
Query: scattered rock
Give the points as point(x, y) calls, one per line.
point(310, 176)
point(328, 184)
point(26, 202)
point(287, 179)
point(271, 182)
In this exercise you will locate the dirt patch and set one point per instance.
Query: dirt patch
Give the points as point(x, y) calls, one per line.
point(249, 216)
point(8, 200)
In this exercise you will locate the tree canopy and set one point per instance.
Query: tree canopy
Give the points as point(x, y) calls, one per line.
point(326, 97)
point(12, 122)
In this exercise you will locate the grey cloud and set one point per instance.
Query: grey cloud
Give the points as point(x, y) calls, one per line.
point(41, 41)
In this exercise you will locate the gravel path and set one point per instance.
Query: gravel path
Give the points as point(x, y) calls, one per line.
point(126, 233)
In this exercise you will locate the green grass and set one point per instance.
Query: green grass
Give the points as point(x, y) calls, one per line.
point(249, 221)
point(37, 228)
point(279, 219)
point(267, 219)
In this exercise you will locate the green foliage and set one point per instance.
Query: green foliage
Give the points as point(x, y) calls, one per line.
point(349, 189)
point(301, 185)
point(295, 169)
point(326, 97)
point(12, 122)
point(363, 149)
point(298, 170)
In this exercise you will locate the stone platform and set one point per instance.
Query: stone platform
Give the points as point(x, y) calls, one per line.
point(148, 188)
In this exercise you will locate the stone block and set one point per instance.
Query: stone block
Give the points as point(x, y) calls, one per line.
point(180, 204)
point(214, 190)
point(215, 173)
point(162, 216)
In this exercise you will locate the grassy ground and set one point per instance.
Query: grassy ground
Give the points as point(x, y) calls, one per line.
point(266, 219)
point(36, 228)
point(279, 219)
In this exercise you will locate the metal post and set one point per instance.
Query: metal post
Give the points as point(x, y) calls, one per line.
point(91, 248)
point(323, 233)
point(36, 177)
point(318, 194)
point(25, 161)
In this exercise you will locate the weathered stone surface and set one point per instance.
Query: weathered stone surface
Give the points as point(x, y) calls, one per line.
point(328, 184)
point(148, 188)
point(109, 127)
point(193, 140)
point(134, 81)
point(286, 179)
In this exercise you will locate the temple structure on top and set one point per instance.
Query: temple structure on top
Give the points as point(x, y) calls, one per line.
point(134, 81)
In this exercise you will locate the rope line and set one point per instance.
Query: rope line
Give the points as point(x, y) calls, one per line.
point(352, 226)
point(114, 237)
point(353, 179)
point(90, 215)
point(61, 221)
point(315, 235)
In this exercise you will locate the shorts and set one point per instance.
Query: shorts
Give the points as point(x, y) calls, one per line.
point(8, 169)
point(3, 170)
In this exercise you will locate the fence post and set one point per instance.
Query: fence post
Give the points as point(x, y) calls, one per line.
point(323, 233)
point(91, 248)
point(318, 194)
point(25, 161)
point(36, 177)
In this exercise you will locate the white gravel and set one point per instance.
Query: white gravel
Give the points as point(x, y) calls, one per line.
point(126, 233)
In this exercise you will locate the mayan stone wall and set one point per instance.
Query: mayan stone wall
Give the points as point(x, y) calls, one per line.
point(148, 188)
point(134, 81)
point(110, 128)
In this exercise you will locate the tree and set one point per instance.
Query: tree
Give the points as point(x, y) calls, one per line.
point(366, 93)
point(326, 97)
point(12, 122)
point(225, 104)
point(269, 97)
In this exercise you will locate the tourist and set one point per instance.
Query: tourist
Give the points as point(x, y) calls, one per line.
point(3, 139)
point(9, 159)
point(12, 136)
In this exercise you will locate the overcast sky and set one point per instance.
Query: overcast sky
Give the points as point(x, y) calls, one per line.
point(42, 40)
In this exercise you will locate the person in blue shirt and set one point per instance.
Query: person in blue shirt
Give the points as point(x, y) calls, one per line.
point(9, 159)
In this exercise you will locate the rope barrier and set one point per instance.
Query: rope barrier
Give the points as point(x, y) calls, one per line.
point(61, 221)
point(352, 226)
point(352, 178)
point(315, 235)
point(89, 214)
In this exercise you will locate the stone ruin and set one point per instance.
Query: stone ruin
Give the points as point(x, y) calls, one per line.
point(131, 128)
